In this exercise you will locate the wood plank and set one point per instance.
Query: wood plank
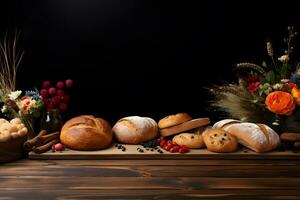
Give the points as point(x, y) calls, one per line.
point(36, 183)
point(151, 194)
point(132, 153)
point(150, 171)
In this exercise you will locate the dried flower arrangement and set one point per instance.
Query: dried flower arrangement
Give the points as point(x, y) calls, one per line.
point(267, 93)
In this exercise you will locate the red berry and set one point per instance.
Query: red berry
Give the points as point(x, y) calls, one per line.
point(52, 91)
point(69, 83)
point(174, 149)
point(162, 143)
point(60, 85)
point(59, 147)
point(183, 149)
point(46, 84)
point(63, 106)
point(168, 147)
point(60, 93)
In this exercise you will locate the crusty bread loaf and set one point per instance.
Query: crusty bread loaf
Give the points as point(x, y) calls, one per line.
point(258, 137)
point(220, 141)
point(173, 120)
point(199, 123)
point(86, 132)
point(191, 140)
point(135, 130)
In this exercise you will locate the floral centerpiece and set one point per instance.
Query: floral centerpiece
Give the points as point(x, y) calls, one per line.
point(14, 103)
point(267, 93)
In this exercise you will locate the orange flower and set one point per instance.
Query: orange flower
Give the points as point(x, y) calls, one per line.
point(296, 95)
point(280, 103)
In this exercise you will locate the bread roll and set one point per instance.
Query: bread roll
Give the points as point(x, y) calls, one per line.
point(135, 129)
point(173, 120)
point(258, 137)
point(220, 141)
point(191, 140)
point(86, 132)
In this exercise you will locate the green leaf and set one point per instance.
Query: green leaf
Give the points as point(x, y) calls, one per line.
point(271, 77)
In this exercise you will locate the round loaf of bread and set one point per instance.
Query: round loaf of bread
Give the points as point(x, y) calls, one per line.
point(191, 140)
point(135, 130)
point(86, 133)
point(173, 120)
point(220, 141)
point(258, 137)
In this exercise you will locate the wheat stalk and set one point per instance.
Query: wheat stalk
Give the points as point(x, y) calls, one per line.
point(9, 62)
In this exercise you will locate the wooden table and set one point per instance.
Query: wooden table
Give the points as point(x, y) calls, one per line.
point(151, 179)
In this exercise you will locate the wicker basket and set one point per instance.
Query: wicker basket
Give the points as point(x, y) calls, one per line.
point(12, 150)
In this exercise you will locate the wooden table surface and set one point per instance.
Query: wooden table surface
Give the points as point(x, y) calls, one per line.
point(150, 179)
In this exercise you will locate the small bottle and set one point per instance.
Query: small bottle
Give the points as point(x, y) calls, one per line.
point(52, 121)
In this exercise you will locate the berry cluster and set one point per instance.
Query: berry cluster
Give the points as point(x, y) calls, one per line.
point(55, 97)
point(172, 147)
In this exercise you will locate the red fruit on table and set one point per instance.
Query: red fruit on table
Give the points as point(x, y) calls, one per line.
point(59, 147)
point(63, 106)
point(183, 149)
point(174, 149)
point(69, 83)
point(46, 84)
point(52, 91)
point(60, 85)
point(60, 92)
point(162, 143)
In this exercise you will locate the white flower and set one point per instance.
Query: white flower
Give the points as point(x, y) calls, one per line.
point(284, 58)
point(285, 80)
point(14, 95)
point(4, 109)
point(277, 86)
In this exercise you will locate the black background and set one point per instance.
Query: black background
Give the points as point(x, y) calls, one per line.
point(148, 58)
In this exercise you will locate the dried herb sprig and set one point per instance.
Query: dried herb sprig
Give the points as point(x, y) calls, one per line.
point(10, 59)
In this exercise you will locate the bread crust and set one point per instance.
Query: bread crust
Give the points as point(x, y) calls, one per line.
point(86, 133)
point(135, 130)
point(184, 127)
point(173, 120)
point(191, 140)
point(220, 141)
point(258, 137)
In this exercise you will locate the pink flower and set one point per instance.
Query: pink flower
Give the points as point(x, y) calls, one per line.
point(52, 91)
point(69, 83)
point(44, 93)
point(60, 85)
point(252, 87)
point(46, 84)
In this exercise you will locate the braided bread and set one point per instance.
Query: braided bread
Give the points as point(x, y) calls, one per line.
point(86, 132)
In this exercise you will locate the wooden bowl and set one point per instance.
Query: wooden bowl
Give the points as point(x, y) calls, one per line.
point(12, 150)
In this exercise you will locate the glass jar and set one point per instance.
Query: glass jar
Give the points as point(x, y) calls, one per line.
point(51, 121)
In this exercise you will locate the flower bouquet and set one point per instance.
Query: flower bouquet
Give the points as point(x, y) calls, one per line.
point(268, 93)
point(14, 103)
